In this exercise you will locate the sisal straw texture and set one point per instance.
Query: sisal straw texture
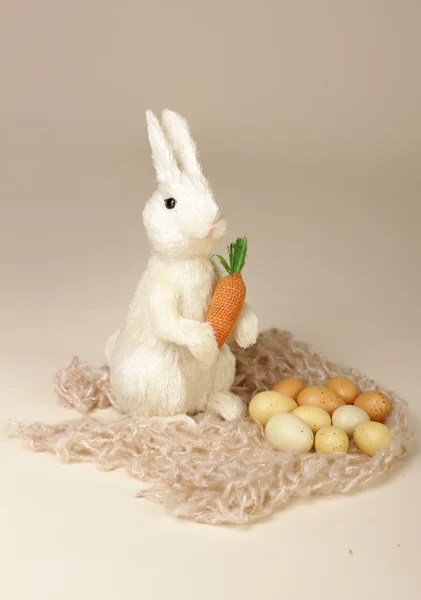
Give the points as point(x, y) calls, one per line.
point(218, 472)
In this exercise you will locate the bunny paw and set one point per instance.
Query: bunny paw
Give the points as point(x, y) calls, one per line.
point(204, 348)
point(227, 405)
point(247, 329)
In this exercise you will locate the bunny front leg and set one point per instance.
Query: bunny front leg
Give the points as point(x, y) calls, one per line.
point(170, 326)
point(246, 329)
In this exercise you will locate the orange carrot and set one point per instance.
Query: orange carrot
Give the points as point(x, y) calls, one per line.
point(230, 292)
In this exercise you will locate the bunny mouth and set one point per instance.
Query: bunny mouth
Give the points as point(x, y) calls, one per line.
point(211, 230)
point(216, 230)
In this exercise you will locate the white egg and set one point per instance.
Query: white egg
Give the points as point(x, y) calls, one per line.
point(348, 417)
point(288, 433)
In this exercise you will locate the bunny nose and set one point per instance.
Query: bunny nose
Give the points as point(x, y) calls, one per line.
point(211, 228)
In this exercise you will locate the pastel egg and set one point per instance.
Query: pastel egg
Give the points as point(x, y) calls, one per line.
point(289, 386)
point(323, 397)
point(288, 433)
point(266, 404)
point(314, 416)
point(348, 417)
point(345, 388)
point(331, 439)
point(376, 404)
point(371, 437)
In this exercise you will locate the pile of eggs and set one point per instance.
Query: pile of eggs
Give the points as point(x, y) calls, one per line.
point(297, 418)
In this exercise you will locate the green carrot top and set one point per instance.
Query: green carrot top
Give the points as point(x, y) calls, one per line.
point(237, 252)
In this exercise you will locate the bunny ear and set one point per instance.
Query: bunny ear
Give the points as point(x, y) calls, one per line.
point(178, 133)
point(163, 157)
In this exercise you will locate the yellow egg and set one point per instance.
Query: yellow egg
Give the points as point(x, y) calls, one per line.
point(288, 433)
point(331, 439)
point(376, 404)
point(371, 437)
point(316, 395)
point(314, 416)
point(348, 417)
point(266, 404)
point(289, 386)
point(345, 388)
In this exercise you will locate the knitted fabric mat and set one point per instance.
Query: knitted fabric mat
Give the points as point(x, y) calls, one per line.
point(218, 472)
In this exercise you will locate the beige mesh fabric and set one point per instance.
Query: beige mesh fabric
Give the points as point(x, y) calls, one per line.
point(218, 472)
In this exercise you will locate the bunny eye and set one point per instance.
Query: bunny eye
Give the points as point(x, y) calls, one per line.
point(170, 203)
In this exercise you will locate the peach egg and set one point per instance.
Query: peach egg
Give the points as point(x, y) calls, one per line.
point(376, 404)
point(289, 386)
point(316, 395)
point(345, 388)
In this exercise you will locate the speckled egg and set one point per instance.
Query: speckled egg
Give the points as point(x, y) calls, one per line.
point(376, 404)
point(348, 417)
point(289, 386)
point(345, 388)
point(314, 416)
point(331, 439)
point(288, 433)
point(323, 397)
point(371, 437)
point(266, 404)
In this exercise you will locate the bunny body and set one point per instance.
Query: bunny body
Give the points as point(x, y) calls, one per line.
point(165, 361)
point(152, 376)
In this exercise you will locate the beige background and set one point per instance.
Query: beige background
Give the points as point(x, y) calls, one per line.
point(307, 115)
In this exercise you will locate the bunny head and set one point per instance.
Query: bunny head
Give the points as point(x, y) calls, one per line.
point(182, 219)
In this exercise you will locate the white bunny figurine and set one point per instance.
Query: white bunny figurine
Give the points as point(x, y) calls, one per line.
point(165, 363)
